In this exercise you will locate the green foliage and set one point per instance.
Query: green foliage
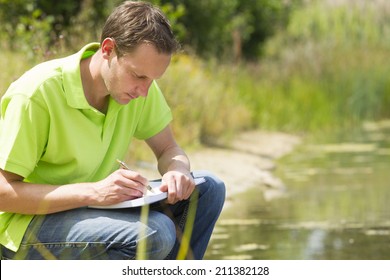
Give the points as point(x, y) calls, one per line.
point(337, 23)
point(61, 11)
point(230, 29)
point(44, 28)
point(261, 19)
point(225, 29)
point(208, 24)
point(23, 21)
point(357, 22)
point(337, 47)
point(174, 13)
point(27, 27)
point(325, 70)
point(206, 108)
point(307, 83)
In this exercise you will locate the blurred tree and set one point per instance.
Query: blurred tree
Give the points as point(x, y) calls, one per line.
point(10, 15)
point(62, 11)
point(40, 24)
point(225, 29)
point(23, 25)
point(207, 25)
point(262, 18)
point(231, 29)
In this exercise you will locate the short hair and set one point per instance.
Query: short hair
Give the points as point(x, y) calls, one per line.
point(135, 22)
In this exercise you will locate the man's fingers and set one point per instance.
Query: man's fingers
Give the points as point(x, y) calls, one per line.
point(178, 186)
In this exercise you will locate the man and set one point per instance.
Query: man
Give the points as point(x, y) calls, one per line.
point(63, 125)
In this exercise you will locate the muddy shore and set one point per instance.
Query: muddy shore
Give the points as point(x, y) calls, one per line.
point(248, 162)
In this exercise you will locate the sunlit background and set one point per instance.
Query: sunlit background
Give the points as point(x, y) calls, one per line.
point(315, 69)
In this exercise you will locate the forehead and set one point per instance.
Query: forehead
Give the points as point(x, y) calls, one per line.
point(146, 61)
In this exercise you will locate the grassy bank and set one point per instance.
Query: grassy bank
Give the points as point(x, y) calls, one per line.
point(329, 63)
point(326, 71)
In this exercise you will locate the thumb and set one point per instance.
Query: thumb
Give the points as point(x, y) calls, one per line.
point(163, 187)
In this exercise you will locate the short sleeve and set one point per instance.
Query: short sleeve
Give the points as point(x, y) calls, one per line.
point(156, 114)
point(24, 128)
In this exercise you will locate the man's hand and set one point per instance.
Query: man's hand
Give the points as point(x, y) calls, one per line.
point(29, 198)
point(179, 186)
point(119, 186)
point(174, 166)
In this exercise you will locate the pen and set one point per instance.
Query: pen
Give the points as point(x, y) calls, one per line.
point(125, 166)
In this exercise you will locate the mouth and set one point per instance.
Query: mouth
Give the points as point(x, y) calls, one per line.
point(131, 96)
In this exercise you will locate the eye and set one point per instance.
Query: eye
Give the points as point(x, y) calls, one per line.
point(140, 77)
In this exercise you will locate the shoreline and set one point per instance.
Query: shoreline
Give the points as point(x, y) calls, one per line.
point(248, 162)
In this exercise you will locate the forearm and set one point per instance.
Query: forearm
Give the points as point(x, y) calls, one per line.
point(17, 196)
point(27, 198)
point(173, 159)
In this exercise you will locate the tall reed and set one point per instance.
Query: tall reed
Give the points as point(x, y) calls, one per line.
point(327, 70)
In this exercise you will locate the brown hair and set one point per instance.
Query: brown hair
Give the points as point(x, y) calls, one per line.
point(133, 23)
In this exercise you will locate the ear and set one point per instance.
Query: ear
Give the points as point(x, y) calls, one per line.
point(107, 47)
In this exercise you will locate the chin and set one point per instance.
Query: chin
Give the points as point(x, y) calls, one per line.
point(122, 101)
point(125, 102)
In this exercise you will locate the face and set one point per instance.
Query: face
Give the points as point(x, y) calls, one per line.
point(130, 76)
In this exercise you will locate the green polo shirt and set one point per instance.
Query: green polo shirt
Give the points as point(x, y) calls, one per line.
point(50, 134)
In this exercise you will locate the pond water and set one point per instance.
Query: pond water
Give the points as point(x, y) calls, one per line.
point(336, 205)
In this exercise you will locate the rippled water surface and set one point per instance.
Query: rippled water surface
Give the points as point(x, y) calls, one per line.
point(336, 206)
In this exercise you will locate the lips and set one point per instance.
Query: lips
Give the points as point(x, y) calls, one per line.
point(131, 96)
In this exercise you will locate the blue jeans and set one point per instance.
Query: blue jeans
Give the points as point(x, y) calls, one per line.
point(86, 233)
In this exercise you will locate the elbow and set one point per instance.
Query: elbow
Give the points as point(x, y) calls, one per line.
point(7, 189)
point(4, 198)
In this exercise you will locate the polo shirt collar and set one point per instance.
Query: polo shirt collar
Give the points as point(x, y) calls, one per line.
point(73, 86)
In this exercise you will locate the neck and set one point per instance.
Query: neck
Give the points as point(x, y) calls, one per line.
point(93, 85)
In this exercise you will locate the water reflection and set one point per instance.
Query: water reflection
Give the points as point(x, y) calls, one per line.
point(335, 207)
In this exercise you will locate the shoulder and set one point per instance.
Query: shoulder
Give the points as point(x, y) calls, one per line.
point(46, 74)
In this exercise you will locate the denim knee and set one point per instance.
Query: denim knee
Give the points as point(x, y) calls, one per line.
point(215, 187)
point(162, 239)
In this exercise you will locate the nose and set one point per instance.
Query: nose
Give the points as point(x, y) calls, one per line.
point(143, 88)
